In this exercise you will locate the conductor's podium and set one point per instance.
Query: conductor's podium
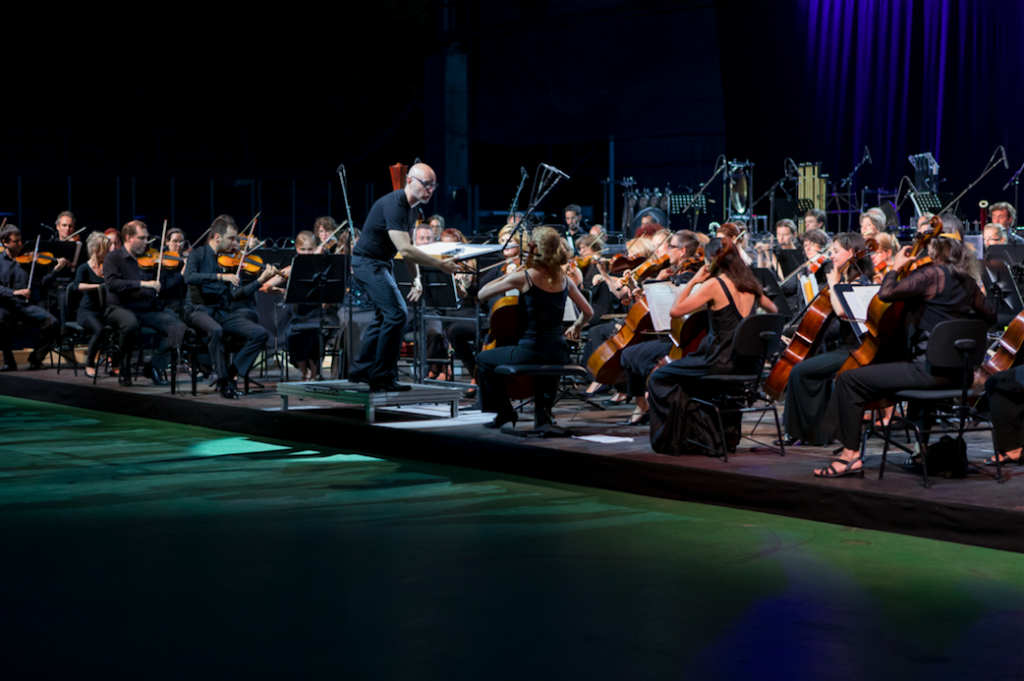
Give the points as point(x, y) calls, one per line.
point(359, 393)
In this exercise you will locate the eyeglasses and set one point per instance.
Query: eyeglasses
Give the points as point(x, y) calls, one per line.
point(426, 185)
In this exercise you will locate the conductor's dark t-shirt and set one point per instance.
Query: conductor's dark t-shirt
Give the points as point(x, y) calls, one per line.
point(389, 213)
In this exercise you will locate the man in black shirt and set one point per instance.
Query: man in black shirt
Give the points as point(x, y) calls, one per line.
point(210, 296)
point(385, 233)
point(15, 305)
point(133, 302)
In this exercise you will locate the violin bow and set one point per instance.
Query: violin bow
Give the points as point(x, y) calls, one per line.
point(246, 251)
point(160, 260)
point(35, 256)
point(69, 237)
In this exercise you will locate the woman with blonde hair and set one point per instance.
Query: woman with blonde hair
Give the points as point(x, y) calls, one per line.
point(88, 279)
point(543, 289)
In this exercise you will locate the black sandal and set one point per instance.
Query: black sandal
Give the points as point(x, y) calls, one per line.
point(833, 472)
point(1004, 460)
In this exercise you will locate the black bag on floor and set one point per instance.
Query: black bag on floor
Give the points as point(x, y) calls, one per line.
point(947, 458)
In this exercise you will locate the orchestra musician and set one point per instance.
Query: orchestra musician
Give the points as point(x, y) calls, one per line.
point(945, 290)
point(174, 297)
point(814, 219)
point(785, 238)
point(573, 217)
point(872, 223)
point(730, 296)
point(1003, 214)
point(641, 359)
point(133, 302)
point(209, 305)
point(387, 232)
point(16, 302)
point(436, 223)
point(884, 255)
point(424, 235)
point(114, 236)
point(87, 282)
point(810, 381)
point(65, 225)
point(323, 228)
point(543, 289)
point(1005, 393)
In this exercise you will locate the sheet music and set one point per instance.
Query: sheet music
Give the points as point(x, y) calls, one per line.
point(441, 249)
point(856, 300)
point(660, 296)
point(808, 286)
point(571, 314)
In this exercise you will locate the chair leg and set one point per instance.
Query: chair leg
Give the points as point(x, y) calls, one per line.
point(778, 429)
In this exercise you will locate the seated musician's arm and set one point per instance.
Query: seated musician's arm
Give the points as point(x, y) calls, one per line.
point(688, 301)
point(766, 304)
point(193, 275)
point(115, 277)
point(507, 282)
point(925, 282)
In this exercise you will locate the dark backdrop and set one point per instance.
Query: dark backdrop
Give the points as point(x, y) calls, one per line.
point(254, 108)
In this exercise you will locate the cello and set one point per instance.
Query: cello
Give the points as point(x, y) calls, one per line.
point(884, 319)
point(810, 333)
point(1006, 353)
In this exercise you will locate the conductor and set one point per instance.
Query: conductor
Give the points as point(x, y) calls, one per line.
point(386, 232)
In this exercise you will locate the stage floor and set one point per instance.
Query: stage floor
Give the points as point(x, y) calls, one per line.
point(154, 549)
point(975, 510)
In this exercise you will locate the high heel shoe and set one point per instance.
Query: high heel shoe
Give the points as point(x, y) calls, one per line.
point(502, 419)
point(1004, 460)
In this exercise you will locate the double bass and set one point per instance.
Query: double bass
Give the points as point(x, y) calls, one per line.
point(810, 333)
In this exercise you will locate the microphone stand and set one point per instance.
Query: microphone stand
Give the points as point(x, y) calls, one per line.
point(515, 202)
point(343, 177)
point(992, 163)
point(693, 199)
point(1015, 181)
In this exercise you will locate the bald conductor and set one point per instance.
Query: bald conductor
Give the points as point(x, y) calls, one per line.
point(388, 231)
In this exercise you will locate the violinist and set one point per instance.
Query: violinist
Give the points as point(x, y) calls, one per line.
point(65, 225)
point(208, 307)
point(543, 290)
point(945, 290)
point(174, 295)
point(641, 359)
point(814, 219)
point(810, 380)
point(424, 235)
point(884, 255)
point(736, 231)
point(88, 280)
point(16, 302)
point(114, 237)
point(730, 296)
point(133, 301)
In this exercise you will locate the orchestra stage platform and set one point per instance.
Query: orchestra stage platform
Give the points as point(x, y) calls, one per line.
point(975, 510)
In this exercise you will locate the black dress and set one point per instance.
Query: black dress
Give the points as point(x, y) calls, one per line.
point(543, 343)
point(671, 387)
point(89, 314)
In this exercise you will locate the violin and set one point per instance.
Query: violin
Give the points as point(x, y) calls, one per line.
point(151, 258)
point(43, 259)
point(688, 333)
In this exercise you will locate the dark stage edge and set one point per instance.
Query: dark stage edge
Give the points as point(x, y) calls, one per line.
point(932, 519)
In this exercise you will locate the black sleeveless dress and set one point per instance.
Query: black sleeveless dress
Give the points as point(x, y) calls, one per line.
point(671, 387)
point(543, 343)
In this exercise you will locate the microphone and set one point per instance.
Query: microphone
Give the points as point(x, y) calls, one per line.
point(867, 155)
point(48, 227)
point(1006, 164)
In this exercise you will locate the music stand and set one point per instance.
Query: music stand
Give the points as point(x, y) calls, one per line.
point(1002, 291)
point(790, 259)
point(320, 278)
point(1011, 254)
point(770, 284)
point(439, 293)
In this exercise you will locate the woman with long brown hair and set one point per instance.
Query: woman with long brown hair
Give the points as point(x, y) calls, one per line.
point(543, 289)
point(730, 296)
point(946, 290)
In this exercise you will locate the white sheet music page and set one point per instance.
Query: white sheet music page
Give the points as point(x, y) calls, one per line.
point(660, 296)
point(856, 300)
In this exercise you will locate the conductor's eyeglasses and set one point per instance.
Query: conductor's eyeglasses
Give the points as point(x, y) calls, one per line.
point(426, 185)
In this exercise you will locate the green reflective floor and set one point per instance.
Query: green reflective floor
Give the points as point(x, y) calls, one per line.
point(139, 548)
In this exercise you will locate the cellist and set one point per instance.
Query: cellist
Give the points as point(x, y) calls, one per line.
point(945, 290)
point(810, 381)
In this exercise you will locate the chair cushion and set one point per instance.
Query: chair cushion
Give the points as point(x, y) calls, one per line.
point(540, 370)
point(935, 395)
